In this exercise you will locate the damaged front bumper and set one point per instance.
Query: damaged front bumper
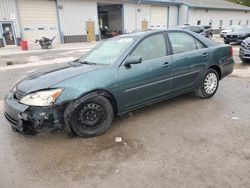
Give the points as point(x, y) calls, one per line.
point(31, 120)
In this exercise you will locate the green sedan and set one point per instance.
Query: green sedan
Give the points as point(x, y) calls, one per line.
point(119, 75)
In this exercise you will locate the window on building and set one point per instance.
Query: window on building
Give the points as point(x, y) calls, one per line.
point(231, 22)
point(247, 22)
point(199, 22)
point(221, 23)
point(151, 48)
point(182, 42)
point(239, 23)
point(211, 22)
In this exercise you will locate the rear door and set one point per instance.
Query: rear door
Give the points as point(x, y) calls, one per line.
point(190, 58)
point(141, 83)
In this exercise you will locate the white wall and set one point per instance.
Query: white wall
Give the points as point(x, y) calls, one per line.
point(133, 17)
point(129, 17)
point(173, 15)
point(8, 12)
point(216, 16)
point(75, 13)
point(183, 17)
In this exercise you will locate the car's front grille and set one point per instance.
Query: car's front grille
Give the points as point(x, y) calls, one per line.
point(232, 36)
point(18, 94)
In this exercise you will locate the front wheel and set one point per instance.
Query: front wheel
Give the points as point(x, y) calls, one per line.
point(209, 84)
point(89, 118)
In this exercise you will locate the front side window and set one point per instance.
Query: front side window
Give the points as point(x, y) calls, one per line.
point(182, 42)
point(152, 47)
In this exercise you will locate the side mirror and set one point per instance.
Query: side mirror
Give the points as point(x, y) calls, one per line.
point(133, 60)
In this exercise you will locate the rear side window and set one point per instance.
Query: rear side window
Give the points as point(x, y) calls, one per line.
point(151, 48)
point(182, 42)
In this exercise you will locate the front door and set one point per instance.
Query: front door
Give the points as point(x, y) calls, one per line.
point(144, 25)
point(8, 34)
point(149, 80)
point(90, 27)
point(190, 58)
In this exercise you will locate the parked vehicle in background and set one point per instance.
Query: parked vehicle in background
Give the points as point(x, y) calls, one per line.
point(245, 50)
point(209, 31)
point(230, 29)
point(237, 36)
point(195, 28)
point(119, 75)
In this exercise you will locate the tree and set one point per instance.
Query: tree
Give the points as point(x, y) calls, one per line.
point(241, 2)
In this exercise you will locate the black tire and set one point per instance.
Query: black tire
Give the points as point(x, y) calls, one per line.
point(89, 117)
point(204, 93)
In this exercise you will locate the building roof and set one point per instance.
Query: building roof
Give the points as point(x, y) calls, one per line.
point(214, 4)
point(162, 2)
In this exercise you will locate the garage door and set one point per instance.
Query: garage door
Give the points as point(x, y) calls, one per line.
point(159, 17)
point(38, 19)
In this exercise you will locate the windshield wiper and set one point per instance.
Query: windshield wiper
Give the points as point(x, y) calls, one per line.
point(87, 62)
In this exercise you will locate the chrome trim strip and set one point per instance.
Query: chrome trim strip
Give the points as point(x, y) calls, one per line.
point(145, 85)
point(138, 87)
point(187, 74)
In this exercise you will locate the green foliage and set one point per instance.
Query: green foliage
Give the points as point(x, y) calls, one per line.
point(241, 2)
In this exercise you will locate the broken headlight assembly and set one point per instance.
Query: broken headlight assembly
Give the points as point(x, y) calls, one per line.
point(41, 98)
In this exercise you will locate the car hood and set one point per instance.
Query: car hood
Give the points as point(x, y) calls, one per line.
point(238, 33)
point(46, 78)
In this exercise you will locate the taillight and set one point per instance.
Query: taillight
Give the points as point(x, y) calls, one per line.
point(231, 51)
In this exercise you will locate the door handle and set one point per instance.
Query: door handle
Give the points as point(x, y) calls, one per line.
point(205, 54)
point(166, 64)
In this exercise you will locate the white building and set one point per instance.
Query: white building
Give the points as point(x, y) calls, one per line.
point(217, 13)
point(82, 20)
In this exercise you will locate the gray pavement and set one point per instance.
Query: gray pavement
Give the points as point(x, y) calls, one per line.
point(182, 142)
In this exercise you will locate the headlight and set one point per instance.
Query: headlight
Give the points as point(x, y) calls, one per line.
point(41, 98)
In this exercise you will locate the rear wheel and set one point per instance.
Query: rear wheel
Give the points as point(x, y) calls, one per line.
point(92, 117)
point(209, 84)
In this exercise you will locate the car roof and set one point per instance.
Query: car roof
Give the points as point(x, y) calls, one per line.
point(143, 34)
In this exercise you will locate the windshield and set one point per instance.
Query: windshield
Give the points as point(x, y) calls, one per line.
point(108, 51)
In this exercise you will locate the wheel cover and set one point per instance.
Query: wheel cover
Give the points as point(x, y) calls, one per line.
point(90, 116)
point(210, 83)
